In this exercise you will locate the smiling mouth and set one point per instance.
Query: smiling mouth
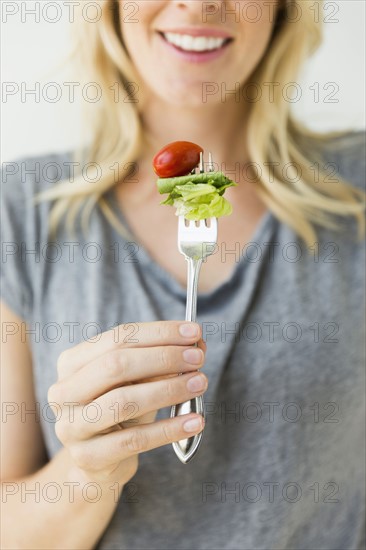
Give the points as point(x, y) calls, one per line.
point(195, 44)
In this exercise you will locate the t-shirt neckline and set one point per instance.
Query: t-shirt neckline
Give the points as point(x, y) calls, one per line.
point(262, 233)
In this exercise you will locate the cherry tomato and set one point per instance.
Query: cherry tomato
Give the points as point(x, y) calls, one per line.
point(177, 159)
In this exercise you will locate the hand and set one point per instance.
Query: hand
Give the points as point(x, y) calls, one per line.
point(108, 393)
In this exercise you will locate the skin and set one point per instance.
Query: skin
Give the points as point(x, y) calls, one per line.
point(172, 86)
point(144, 372)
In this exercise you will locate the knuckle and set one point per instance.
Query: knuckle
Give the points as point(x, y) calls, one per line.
point(51, 393)
point(123, 402)
point(54, 394)
point(119, 403)
point(167, 433)
point(114, 365)
point(124, 335)
point(69, 427)
point(171, 387)
point(62, 361)
point(136, 441)
point(82, 456)
point(165, 359)
point(162, 331)
point(62, 431)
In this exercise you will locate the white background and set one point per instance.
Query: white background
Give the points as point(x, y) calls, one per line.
point(34, 51)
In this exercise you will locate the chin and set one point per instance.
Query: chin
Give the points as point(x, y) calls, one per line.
point(187, 95)
point(181, 100)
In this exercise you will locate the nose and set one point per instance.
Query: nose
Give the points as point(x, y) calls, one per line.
point(197, 6)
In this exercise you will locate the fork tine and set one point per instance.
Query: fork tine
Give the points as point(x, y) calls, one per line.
point(190, 225)
point(201, 163)
point(202, 224)
point(181, 223)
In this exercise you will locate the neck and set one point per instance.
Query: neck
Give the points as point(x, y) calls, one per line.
point(219, 128)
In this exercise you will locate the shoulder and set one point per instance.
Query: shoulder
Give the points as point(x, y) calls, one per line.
point(21, 181)
point(24, 225)
point(343, 154)
point(25, 176)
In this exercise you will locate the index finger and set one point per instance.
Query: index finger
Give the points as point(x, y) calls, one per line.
point(129, 335)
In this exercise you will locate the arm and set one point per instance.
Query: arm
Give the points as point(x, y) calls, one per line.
point(25, 522)
point(103, 453)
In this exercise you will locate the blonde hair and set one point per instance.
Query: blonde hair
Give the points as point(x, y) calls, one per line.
point(275, 138)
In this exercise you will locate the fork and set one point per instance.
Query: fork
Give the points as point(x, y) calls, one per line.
point(196, 241)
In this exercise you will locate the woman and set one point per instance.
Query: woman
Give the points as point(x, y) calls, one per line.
point(93, 317)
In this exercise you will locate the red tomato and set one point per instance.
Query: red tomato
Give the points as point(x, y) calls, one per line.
point(177, 159)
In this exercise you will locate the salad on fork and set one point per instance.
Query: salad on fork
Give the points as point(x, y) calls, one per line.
point(198, 198)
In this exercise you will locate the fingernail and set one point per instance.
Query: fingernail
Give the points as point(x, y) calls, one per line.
point(193, 355)
point(193, 425)
point(197, 383)
point(188, 330)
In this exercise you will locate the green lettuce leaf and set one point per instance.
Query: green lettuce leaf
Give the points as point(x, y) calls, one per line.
point(197, 196)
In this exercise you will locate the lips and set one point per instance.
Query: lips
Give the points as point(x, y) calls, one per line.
point(196, 45)
point(198, 31)
point(189, 43)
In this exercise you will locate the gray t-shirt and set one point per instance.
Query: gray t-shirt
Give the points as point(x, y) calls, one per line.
point(281, 464)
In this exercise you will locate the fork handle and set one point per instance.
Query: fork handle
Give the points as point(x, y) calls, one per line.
point(185, 449)
point(194, 267)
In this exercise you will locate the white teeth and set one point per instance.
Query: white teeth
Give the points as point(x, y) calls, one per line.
point(186, 42)
point(194, 43)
